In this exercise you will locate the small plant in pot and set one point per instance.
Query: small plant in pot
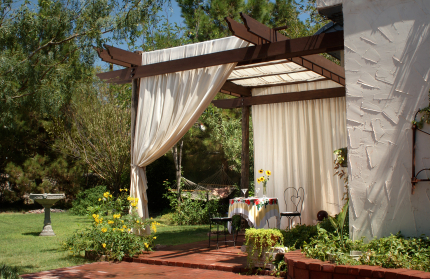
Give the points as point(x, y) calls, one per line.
point(261, 245)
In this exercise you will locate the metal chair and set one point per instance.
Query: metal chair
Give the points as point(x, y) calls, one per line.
point(223, 221)
point(297, 201)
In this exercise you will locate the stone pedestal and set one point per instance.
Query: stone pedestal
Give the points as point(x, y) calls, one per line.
point(47, 201)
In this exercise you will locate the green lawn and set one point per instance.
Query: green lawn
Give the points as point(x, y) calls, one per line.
point(21, 246)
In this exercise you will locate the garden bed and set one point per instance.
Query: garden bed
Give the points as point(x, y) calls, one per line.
point(300, 267)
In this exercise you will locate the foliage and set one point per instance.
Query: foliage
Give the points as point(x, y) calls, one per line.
point(114, 233)
point(425, 117)
point(97, 131)
point(41, 175)
point(47, 47)
point(397, 251)
point(86, 199)
point(297, 236)
point(8, 272)
point(258, 241)
point(340, 162)
point(338, 223)
point(190, 211)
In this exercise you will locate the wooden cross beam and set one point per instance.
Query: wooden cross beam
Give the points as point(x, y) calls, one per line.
point(280, 98)
point(266, 52)
point(261, 32)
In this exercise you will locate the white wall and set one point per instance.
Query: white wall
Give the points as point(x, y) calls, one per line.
point(387, 62)
point(328, 3)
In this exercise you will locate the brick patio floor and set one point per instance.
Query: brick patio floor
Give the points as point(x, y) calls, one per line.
point(193, 260)
point(127, 270)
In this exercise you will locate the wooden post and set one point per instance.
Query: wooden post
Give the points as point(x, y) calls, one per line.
point(245, 148)
point(134, 103)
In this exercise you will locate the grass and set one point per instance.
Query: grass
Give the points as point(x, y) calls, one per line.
point(21, 246)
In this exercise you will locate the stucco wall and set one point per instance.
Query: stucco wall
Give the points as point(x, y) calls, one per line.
point(387, 63)
point(328, 3)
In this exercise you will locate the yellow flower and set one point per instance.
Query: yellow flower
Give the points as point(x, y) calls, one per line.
point(129, 198)
point(104, 230)
point(106, 195)
point(154, 237)
point(151, 218)
point(261, 171)
point(101, 220)
point(146, 245)
point(110, 222)
point(94, 216)
point(126, 190)
point(100, 199)
point(124, 226)
point(104, 245)
point(262, 179)
point(129, 230)
point(110, 196)
point(137, 221)
point(120, 190)
point(121, 230)
point(122, 221)
point(117, 216)
point(268, 172)
point(113, 229)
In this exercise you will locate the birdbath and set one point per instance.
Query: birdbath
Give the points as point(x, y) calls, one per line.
point(47, 201)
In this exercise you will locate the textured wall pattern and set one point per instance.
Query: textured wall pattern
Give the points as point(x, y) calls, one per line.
point(387, 63)
point(328, 3)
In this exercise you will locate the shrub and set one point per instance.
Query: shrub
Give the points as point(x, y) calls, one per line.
point(8, 272)
point(259, 241)
point(191, 210)
point(114, 232)
point(86, 199)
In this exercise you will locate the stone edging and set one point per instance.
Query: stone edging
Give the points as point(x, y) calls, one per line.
point(300, 267)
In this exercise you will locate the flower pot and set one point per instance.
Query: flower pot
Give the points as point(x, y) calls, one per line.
point(267, 256)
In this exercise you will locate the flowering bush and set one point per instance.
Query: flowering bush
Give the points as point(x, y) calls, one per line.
point(115, 229)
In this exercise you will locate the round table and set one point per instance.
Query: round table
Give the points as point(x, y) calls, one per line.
point(257, 211)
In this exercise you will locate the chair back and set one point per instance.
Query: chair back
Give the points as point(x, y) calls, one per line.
point(295, 197)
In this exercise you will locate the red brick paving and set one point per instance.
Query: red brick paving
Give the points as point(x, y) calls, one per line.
point(127, 270)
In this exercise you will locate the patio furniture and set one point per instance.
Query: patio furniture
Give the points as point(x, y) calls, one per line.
point(297, 200)
point(221, 221)
point(257, 211)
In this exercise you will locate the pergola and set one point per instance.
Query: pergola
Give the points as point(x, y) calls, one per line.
point(272, 60)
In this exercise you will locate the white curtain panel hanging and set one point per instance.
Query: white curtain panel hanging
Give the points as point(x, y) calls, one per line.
point(170, 104)
point(296, 140)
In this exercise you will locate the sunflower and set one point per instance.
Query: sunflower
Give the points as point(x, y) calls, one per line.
point(261, 171)
point(268, 172)
point(258, 180)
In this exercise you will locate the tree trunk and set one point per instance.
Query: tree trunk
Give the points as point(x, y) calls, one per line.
point(177, 159)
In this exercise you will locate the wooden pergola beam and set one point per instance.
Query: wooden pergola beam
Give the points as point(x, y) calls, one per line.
point(274, 51)
point(240, 31)
point(315, 62)
point(237, 89)
point(132, 58)
point(280, 98)
point(261, 30)
point(105, 56)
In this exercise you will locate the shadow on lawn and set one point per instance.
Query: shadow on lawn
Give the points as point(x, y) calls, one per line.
point(31, 233)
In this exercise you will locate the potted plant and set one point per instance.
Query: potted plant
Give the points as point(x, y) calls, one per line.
point(263, 246)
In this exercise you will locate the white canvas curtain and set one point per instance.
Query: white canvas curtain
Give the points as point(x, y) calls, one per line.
point(169, 105)
point(296, 141)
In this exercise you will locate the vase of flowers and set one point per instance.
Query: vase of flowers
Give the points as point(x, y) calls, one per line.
point(264, 179)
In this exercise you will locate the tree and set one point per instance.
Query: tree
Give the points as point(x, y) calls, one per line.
point(46, 49)
point(96, 129)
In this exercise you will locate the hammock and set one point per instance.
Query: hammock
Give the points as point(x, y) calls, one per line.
point(218, 185)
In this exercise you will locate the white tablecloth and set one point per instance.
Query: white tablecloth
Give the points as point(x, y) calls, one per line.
point(255, 210)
